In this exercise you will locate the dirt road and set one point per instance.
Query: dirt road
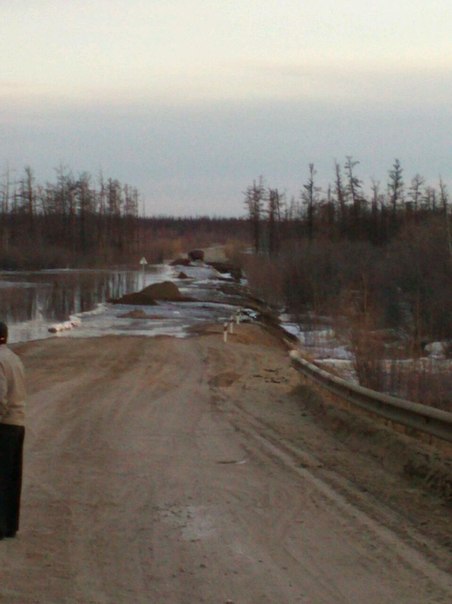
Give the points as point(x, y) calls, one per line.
point(186, 471)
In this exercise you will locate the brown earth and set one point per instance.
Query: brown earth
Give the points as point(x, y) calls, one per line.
point(134, 298)
point(165, 291)
point(161, 470)
point(137, 314)
point(180, 262)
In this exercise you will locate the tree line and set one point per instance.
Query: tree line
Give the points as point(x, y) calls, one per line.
point(81, 221)
point(383, 258)
point(344, 210)
point(75, 217)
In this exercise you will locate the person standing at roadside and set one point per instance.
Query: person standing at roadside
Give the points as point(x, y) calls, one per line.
point(12, 433)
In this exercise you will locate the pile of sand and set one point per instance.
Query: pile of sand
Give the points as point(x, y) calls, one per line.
point(166, 291)
point(137, 314)
point(134, 298)
point(181, 262)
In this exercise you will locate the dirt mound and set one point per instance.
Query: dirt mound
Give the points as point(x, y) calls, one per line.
point(167, 291)
point(181, 262)
point(138, 298)
point(196, 255)
point(182, 275)
point(136, 314)
point(227, 267)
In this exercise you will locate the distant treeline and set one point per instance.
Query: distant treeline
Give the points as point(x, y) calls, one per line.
point(82, 221)
point(376, 266)
point(383, 257)
point(344, 210)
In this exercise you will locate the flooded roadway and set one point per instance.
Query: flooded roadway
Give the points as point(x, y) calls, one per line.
point(33, 302)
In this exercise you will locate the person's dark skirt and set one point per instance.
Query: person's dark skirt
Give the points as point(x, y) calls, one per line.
point(11, 455)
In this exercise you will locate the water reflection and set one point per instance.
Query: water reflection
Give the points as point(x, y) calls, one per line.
point(18, 304)
point(33, 302)
point(42, 297)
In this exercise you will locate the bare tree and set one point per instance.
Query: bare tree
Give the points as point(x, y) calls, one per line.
point(354, 190)
point(354, 184)
point(415, 191)
point(341, 195)
point(274, 209)
point(444, 199)
point(254, 200)
point(309, 197)
point(28, 199)
point(395, 186)
point(5, 193)
point(429, 199)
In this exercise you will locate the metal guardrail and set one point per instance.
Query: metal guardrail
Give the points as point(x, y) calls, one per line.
point(426, 419)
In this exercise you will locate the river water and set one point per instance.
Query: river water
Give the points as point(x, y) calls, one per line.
point(31, 303)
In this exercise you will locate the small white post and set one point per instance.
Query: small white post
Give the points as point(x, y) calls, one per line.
point(238, 315)
point(143, 263)
point(231, 325)
point(225, 332)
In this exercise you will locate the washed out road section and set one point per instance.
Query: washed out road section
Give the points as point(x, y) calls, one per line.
point(150, 477)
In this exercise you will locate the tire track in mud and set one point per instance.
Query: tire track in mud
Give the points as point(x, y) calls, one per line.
point(383, 527)
point(409, 544)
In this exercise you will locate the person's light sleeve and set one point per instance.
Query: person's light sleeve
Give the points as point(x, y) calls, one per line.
point(3, 391)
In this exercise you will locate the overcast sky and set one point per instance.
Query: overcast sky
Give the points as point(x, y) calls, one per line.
point(190, 100)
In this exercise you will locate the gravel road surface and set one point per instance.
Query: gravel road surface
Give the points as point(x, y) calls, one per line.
point(187, 471)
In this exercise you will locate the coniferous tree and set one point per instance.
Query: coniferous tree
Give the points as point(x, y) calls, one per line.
point(254, 202)
point(395, 186)
point(354, 190)
point(309, 197)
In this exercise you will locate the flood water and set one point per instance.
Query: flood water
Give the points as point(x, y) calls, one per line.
point(32, 302)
